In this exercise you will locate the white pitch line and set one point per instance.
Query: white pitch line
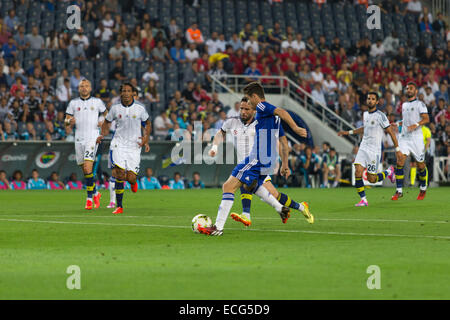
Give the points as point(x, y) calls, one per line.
point(259, 230)
point(256, 218)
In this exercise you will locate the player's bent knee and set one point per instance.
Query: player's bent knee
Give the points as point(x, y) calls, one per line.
point(372, 178)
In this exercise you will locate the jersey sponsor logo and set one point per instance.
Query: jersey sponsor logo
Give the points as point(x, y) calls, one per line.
point(47, 158)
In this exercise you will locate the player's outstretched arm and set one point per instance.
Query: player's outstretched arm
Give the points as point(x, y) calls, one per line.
point(286, 117)
point(218, 139)
point(347, 133)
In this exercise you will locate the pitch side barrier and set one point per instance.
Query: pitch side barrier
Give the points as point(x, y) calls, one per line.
point(59, 156)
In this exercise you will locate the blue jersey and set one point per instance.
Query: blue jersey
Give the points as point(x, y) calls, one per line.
point(36, 184)
point(147, 184)
point(267, 133)
point(176, 185)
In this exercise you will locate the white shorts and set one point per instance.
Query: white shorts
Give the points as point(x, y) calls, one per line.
point(85, 151)
point(369, 160)
point(413, 146)
point(125, 159)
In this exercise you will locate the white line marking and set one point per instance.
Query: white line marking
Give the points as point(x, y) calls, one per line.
point(260, 230)
point(255, 218)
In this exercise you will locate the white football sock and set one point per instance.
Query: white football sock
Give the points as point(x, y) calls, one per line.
point(224, 210)
point(265, 196)
point(400, 190)
point(112, 193)
point(247, 215)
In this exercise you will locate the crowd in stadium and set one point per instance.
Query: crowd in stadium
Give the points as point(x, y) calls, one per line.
point(33, 99)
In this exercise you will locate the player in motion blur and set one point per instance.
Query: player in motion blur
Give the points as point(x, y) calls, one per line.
point(414, 116)
point(369, 153)
point(125, 148)
point(254, 169)
point(242, 130)
point(83, 112)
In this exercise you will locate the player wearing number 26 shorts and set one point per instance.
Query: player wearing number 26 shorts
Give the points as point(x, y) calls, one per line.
point(369, 153)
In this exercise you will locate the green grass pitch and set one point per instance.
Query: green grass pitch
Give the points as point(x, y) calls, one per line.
point(150, 252)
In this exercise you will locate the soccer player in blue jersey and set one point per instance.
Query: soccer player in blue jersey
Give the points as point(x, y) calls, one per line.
point(262, 159)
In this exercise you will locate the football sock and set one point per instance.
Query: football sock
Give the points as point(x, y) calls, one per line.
point(412, 175)
point(224, 209)
point(246, 199)
point(359, 185)
point(423, 178)
point(89, 178)
point(119, 193)
point(399, 176)
point(265, 195)
point(112, 194)
point(382, 175)
point(285, 200)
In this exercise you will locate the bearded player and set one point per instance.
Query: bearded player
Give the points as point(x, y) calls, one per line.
point(414, 116)
point(369, 153)
point(83, 112)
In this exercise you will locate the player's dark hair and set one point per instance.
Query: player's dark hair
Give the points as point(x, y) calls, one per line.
point(375, 94)
point(254, 88)
point(196, 172)
point(126, 84)
point(244, 99)
point(412, 83)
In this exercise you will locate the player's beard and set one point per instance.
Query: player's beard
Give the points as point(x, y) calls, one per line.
point(372, 108)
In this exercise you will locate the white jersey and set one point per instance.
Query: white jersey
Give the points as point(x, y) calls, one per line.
point(86, 113)
point(243, 136)
point(411, 112)
point(374, 125)
point(128, 124)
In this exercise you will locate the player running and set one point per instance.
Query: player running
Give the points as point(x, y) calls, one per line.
point(369, 153)
point(125, 148)
point(254, 169)
point(243, 132)
point(83, 112)
point(414, 116)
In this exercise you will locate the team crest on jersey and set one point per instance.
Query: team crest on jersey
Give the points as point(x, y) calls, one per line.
point(92, 108)
point(134, 116)
point(79, 108)
point(373, 122)
point(120, 116)
point(412, 109)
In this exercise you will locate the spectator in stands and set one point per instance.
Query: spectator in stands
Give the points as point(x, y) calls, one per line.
point(74, 183)
point(160, 53)
point(9, 51)
point(251, 43)
point(35, 182)
point(133, 52)
point(251, 72)
point(17, 183)
point(75, 79)
point(442, 93)
point(391, 44)
point(235, 111)
point(235, 42)
point(64, 92)
point(310, 165)
point(48, 70)
point(191, 53)
point(193, 34)
point(12, 21)
point(439, 25)
point(76, 49)
point(4, 183)
point(177, 52)
point(174, 29)
point(425, 25)
point(176, 183)
point(54, 183)
point(318, 94)
point(35, 40)
point(162, 125)
point(150, 74)
point(196, 183)
point(213, 43)
point(117, 52)
point(102, 33)
point(4, 33)
point(21, 39)
point(149, 182)
point(117, 73)
point(151, 93)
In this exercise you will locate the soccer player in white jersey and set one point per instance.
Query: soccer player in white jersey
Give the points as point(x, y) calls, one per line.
point(112, 180)
point(83, 112)
point(414, 116)
point(369, 153)
point(125, 148)
point(242, 130)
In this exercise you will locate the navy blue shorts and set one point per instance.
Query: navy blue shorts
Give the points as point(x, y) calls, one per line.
point(249, 173)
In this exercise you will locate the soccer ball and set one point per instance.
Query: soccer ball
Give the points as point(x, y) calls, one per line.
point(200, 220)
